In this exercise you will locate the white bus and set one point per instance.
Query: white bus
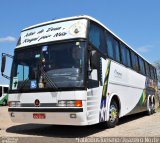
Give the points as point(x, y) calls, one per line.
point(3, 94)
point(75, 71)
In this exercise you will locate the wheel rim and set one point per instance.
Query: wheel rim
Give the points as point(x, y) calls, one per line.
point(113, 113)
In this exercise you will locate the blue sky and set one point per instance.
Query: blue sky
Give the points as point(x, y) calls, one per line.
point(137, 22)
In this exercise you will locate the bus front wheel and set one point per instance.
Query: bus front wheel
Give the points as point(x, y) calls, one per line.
point(113, 115)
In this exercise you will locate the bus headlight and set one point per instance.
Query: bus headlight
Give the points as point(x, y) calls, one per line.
point(62, 103)
point(70, 103)
point(14, 104)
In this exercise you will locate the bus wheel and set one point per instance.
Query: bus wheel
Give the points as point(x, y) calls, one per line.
point(153, 107)
point(113, 115)
point(4, 103)
point(149, 112)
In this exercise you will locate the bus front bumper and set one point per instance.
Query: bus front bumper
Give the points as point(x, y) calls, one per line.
point(56, 116)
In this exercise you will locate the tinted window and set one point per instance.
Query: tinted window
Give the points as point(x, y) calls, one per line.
point(50, 62)
point(152, 72)
point(109, 43)
point(117, 51)
point(141, 64)
point(128, 58)
point(147, 69)
point(97, 37)
point(124, 54)
point(155, 73)
point(134, 59)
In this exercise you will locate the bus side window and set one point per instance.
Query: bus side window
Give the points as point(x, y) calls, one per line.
point(97, 37)
point(117, 50)
point(109, 43)
point(152, 72)
point(141, 64)
point(128, 58)
point(124, 55)
point(134, 59)
point(147, 69)
point(155, 74)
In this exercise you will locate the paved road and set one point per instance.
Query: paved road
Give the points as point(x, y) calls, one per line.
point(138, 125)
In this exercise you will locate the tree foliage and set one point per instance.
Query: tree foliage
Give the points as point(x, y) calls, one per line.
point(157, 65)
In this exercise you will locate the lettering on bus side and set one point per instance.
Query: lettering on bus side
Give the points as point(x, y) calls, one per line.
point(117, 74)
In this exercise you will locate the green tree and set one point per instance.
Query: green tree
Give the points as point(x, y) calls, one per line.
point(157, 65)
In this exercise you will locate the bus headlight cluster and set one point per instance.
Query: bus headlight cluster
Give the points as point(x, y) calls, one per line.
point(14, 104)
point(70, 103)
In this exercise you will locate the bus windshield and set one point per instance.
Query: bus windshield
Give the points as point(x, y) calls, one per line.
point(49, 66)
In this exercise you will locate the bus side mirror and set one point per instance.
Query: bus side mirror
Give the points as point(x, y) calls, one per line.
point(3, 63)
point(94, 59)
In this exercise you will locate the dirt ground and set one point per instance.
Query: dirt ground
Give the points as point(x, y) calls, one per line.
point(139, 125)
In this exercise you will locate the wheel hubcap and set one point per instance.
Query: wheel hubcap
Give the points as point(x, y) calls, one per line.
point(113, 113)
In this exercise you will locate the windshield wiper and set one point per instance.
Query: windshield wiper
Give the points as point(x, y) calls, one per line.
point(45, 75)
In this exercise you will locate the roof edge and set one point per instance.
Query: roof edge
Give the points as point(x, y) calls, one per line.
point(90, 18)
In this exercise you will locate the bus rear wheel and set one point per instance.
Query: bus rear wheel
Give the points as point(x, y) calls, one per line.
point(113, 115)
point(153, 106)
point(149, 111)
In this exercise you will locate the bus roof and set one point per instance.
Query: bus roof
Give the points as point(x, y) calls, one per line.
point(4, 85)
point(85, 17)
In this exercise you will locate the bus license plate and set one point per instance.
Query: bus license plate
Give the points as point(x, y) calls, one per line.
point(39, 116)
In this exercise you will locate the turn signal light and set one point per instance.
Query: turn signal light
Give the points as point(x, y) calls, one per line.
point(78, 103)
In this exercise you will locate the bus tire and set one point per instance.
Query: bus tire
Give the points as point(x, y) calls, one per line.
point(153, 106)
point(149, 111)
point(113, 115)
point(4, 103)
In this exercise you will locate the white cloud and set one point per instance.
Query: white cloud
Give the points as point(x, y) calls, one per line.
point(144, 49)
point(7, 39)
